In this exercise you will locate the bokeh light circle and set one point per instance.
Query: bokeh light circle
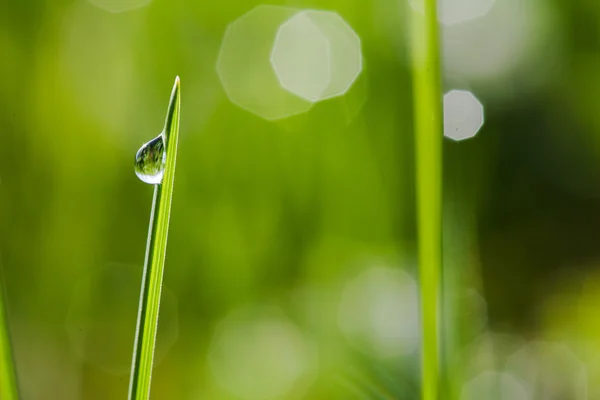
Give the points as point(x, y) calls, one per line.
point(257, 353)
point(463, 115)
point(244, 67)
point(379, 312)
point(549, 368)
point(301, 60)
point(276, 62)
point(514, 39)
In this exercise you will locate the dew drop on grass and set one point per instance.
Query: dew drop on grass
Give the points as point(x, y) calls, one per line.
point(150, 161)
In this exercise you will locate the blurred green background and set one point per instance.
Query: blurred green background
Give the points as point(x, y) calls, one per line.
point(291, 268)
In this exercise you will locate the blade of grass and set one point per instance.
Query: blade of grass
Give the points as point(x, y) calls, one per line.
point(428, 154)
point(8, 378)
point(147, 322)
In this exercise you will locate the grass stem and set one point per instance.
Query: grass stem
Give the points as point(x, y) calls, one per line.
point(147, 322)
point(428, 154)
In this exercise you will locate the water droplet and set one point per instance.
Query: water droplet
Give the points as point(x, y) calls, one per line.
point(150, 161)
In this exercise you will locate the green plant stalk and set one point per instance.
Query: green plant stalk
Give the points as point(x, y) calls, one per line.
point(8, 378)
point(428, 154)
point(147, 322)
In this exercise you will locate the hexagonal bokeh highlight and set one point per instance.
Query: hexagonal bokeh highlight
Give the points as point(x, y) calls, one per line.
point(317, 55)
point(452, 12)
point(549, 368)
point(379, 312)
point(257, 353)
point(493, 385)
point(463, 115)
point(514, 37)
point(119, 6)
point(244, 64)
point(300, 58)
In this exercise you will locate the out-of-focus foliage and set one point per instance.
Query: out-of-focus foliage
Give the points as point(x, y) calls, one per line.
point(275, 222)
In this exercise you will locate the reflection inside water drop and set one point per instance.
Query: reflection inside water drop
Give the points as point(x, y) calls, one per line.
point(150, 160)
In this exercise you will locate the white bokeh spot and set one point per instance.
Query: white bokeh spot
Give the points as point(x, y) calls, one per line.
point(300, 58)
point(549, 368)
point(463, 115)
point(379, 312)
point(515, 37)
point(301, 65)
point(259, 354)
point(276, 62)
point(244, 65)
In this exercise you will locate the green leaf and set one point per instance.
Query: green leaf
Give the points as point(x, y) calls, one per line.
point(147, 323)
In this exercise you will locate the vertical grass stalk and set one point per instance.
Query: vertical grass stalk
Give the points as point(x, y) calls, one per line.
point(8, 378)
point(428, 155)
point(147, 322)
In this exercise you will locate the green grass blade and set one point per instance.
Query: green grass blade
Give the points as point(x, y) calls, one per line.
point(428, 147)
point(147, 323)
point(8, 378)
